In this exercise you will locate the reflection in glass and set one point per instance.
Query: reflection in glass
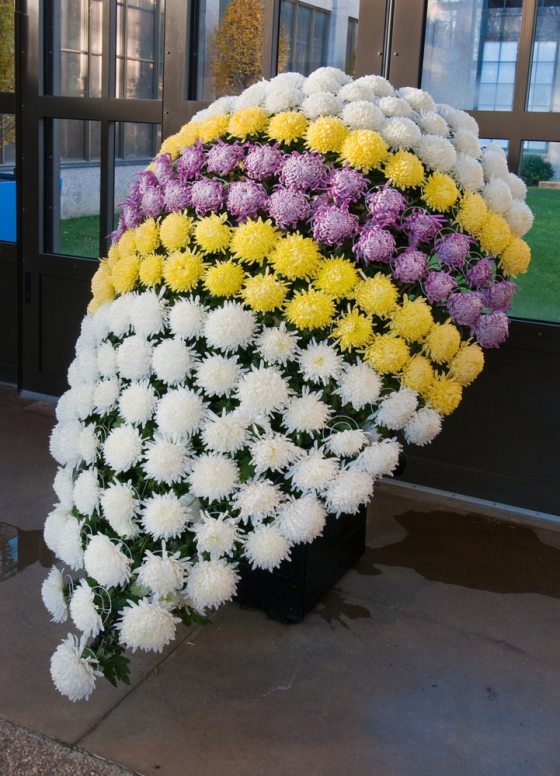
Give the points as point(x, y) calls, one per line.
point(539, 290)
point(7, 46)
point(72, 194)
point(7, 178)
point(135, 146)
point(75, 61)
point(544, 84)
point(139, 49)
point(470, 52)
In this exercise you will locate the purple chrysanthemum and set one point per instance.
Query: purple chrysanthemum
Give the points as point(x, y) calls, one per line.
point(118, 233)
point(438, 286)
point(146, 180)
point(421, 226)
point(499, 296)
point(491, 330)
point(163, 168)
point(176, 196)
point(410, 266)
point(481, 274)
point(346, 185)
point(374, 244)
point(287, 208)
point(465, 308)
point(302, 172)
point(190, 163)
point(332, 225)
point(263, 161)
point(245, 198)
point(223, 157)
point(207, 195)
point(453, 249)
point(152, 201)
point(131, 215)
point(386, 205)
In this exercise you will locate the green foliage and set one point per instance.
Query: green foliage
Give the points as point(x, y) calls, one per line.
point(534, 169)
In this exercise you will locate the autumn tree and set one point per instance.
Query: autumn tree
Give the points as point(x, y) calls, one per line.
point(237, 44)
point(7, 51)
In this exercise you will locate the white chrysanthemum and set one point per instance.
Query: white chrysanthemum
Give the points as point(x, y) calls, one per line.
point(180, 412)
point(86, 491)
point(381, 86)
point(83, 611)
point(225, 433)
point(172, 361)
point(63, 442)
point(519, 217)
point(283, 98)
point(302, 519)
point(52, 593)
point(497, 194)
point(134, 357)
point(105, 562)
point(359, 386)
point(277, 345)
point(417, 98)
point(273, 452)
point(357, 91)
point(347, 493)
point(252, 96)
point(147, 626)
point(295, 80)
point(218, 375)
point(262, 391)
point(213, 476)
point(87, 364)
point(119, 315)
point(105, 395)
point(379, 458)
point(457, 119)
point(313, 472)
point(74, 376)
point(423, 427)
point(397, 408)
point(266, 548)
point(211, 583)
point(122, 448)
point(164, 516)
point(54, 527)
point(394, 106)
point(63, 486)
point(88, 443)
point(306, 413)
point(400, 132)
point(165, 459)
point(433, 124)
point(162, 574)
point(468, 173)
point(186, 318)
point(82, 398)
point(495, 163)
point(319, 362)
point(147, 313)
point(363, 115)
point(72, 674)
point(321, 104)
point(325, 79)
point(106, 360)
point(517, 185)
point(118, 504)
point(215, 535)
point(229, 327)
point(346, 443)
point(222, 105)
point(257, 500)
point(200, 115)
point(66, 408)
point(466, 142)
point(69, 545)
point(137, 402)
point(437, 152)
point(100, 322)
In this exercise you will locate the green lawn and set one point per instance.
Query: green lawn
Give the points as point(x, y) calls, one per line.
point(80, 236)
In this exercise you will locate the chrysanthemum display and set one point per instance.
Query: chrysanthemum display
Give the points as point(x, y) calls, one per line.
point(304, 278)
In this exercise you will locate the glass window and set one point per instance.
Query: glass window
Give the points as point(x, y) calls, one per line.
point(7, 178)
point(544, 83)
point(139, 49)
point(135, 146)
point(539, 290)
point(7, 46)
point(351, 43)
point(72, 179)
point(75, 51)
point(470, 52)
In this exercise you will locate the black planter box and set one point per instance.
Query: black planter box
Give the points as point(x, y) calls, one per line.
point(292, 590)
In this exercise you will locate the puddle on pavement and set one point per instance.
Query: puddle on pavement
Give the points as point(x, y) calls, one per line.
point(334, 607)
point(20, 549)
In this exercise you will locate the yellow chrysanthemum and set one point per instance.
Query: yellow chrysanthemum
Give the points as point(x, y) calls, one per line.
point(188, 134)
point(172, 146)
point(310, 309)
point(444, 395)
point(442, 342)
point(413, 320)
point(336, 277)
point(295, 256)
point(495, 234)
point(182, 271)
point(113, 255)
point(247, 121)
point(516, 257)
point(364, 149)
point(213, 127)
point(404, 170)
point(253, 240)
point(224, 278)
point(376, 295)
point(467, 364)
point(125, 273)
point(127, 244)
point(175, 231)
point(101, 284)
point(352, 330)
point(146, 237)
point(440, 192)
point(287, 126)
point(418, 374)
point(212, 235)
point(387, 354)
point(264, 292)
point(472, 213)
point(326, 134)
point(151, 268)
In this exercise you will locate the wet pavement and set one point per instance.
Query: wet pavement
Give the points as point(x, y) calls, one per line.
point(436, 655)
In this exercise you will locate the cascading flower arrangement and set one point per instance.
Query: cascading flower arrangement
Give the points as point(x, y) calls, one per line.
point(304, 274)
